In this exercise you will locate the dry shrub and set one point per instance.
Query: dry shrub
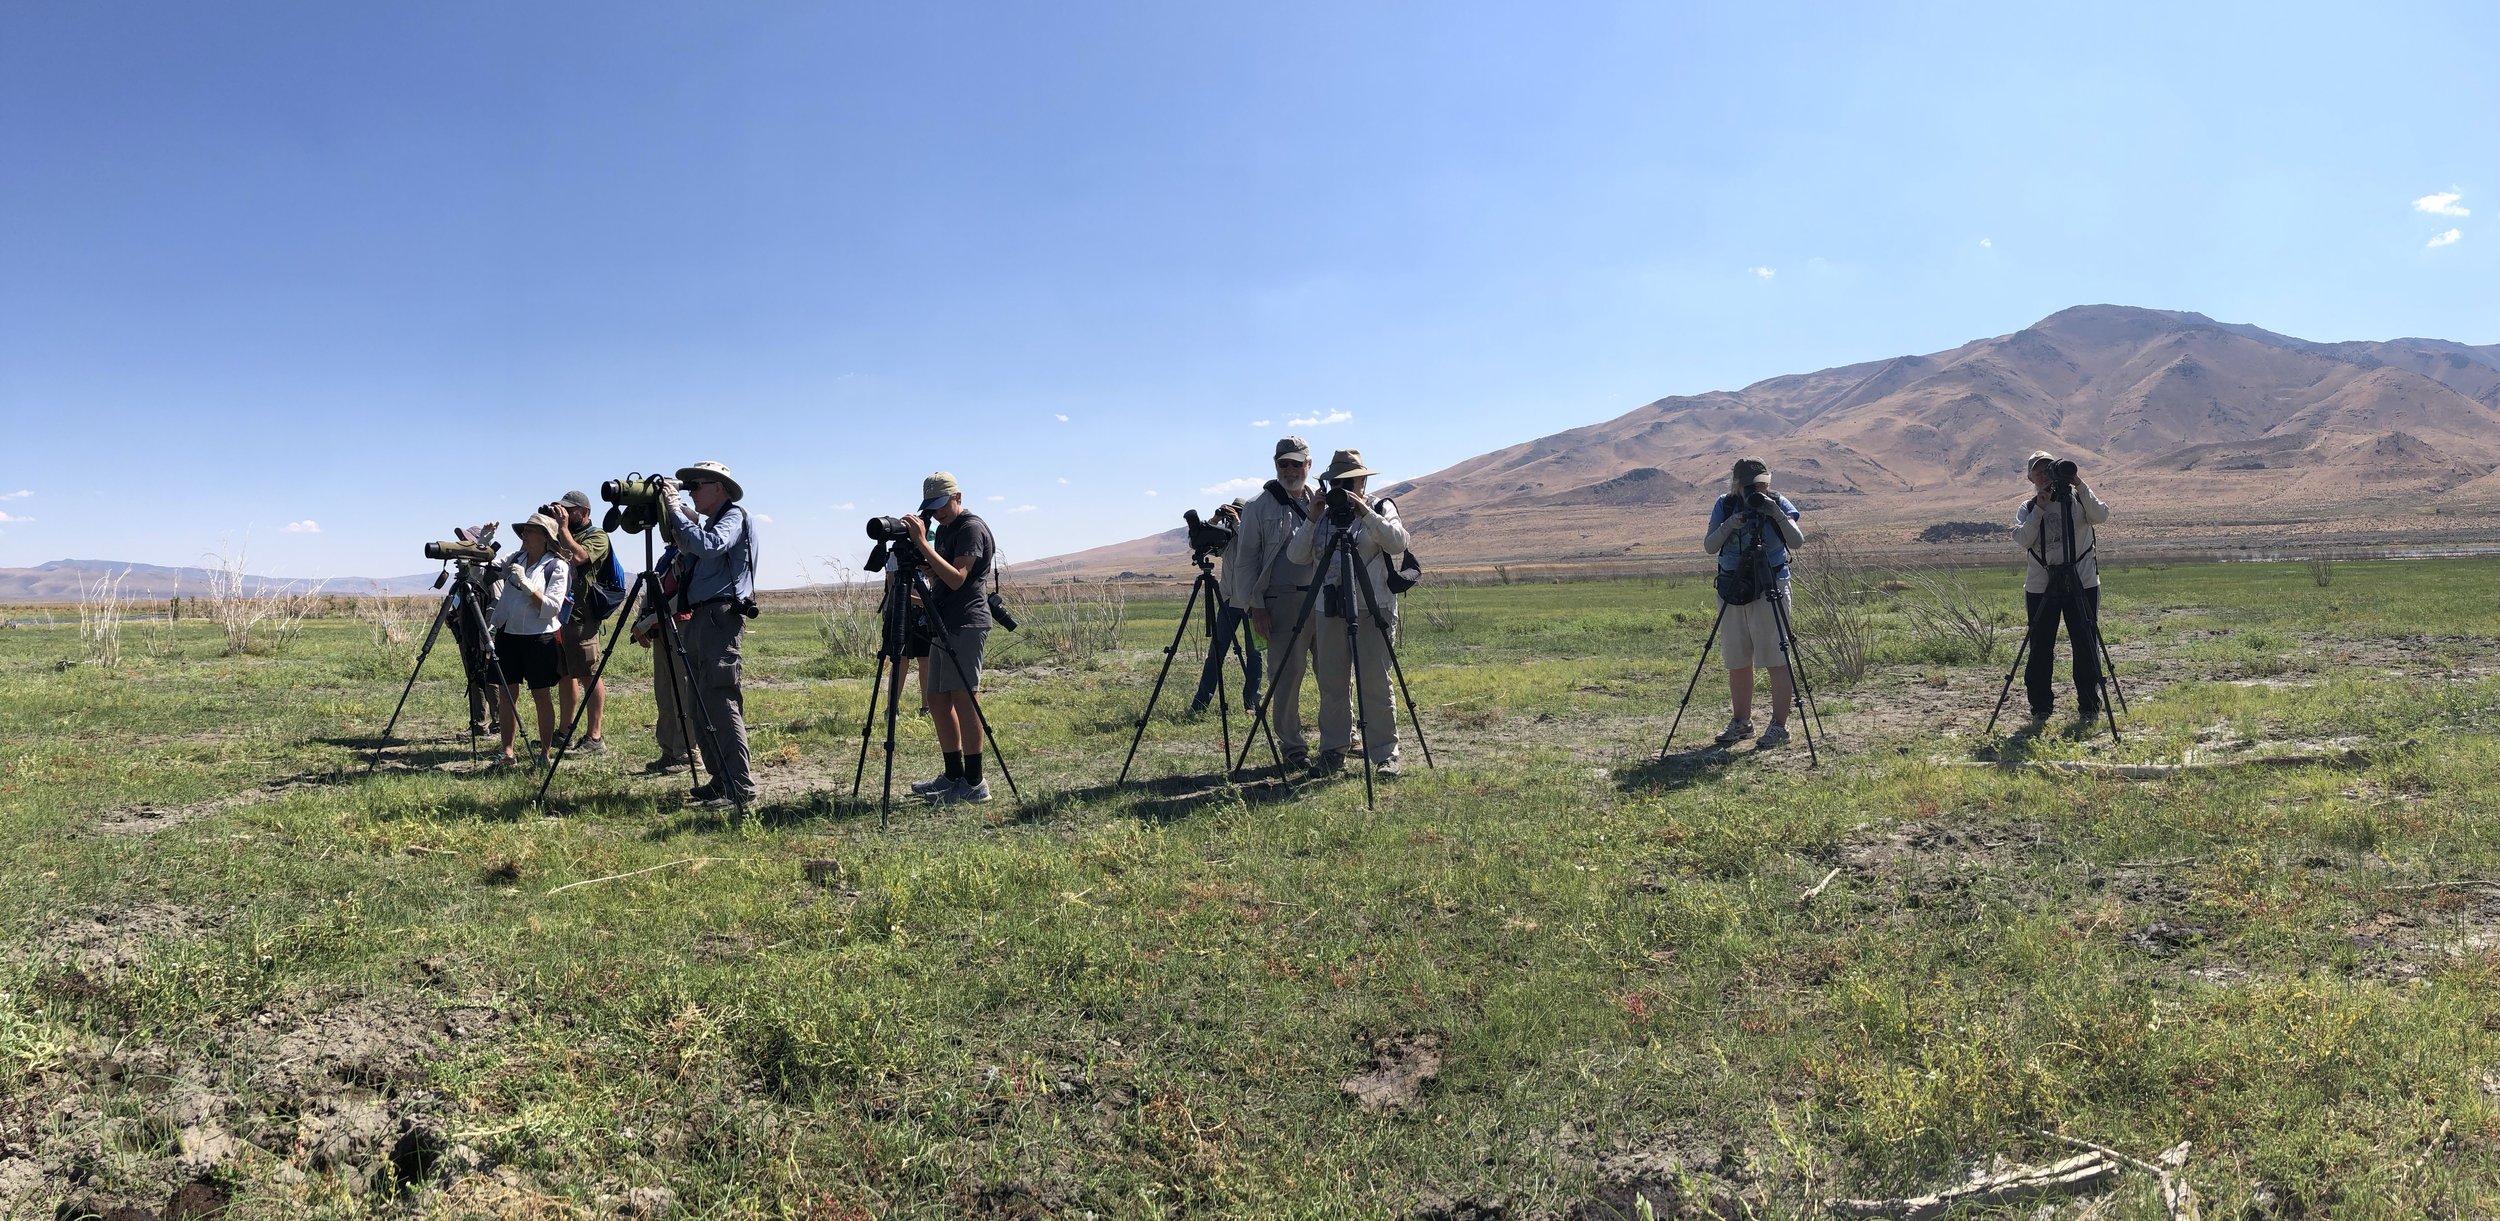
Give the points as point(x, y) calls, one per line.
point(2322, 570)
point(1948, 619)
point(1079, 620)
point(276, 613)
point(100, 618)
point(844, 609)
point(1832, 609)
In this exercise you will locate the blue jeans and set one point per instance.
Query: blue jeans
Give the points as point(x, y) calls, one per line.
point(1228, 621)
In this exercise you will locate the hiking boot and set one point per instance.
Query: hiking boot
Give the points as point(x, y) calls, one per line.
point(591, 746)
point(705, 791)
point(502, 763)
point(664, 765)
point(725, 801)
point(959, 793)
point(1297, 762)
point(1386, 769)
point(1329, 763)
point(1776, 735)
point(564, 740)
point(1736, 731)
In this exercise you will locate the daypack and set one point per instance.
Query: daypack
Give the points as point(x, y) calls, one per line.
point(601, 593)
point(1409, 571)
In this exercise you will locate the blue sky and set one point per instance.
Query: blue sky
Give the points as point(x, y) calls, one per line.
point(389, 267)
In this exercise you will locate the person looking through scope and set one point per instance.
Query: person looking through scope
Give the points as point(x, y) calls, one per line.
point(526, 618)
point(1229, 620)
point(960, 556)
point(1751, 531)
point(585, 547)
point(1270, 586)
point(2062, 579)
point(1378, 539)
point(712, 556)
point(479, 582)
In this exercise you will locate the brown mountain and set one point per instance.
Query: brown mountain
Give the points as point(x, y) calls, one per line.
point(2202, 433)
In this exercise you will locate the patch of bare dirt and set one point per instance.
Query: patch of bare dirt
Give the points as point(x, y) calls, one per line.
point(1401, 1066)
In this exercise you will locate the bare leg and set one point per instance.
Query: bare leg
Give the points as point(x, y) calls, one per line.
point(1740, 692)
point(1783, 694)
point(598, 707)
point(508, 715)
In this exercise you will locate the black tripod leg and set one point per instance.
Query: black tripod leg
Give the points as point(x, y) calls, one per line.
point(689, 697)
point(564, 741)
point(893, 704)
point(2019, 651)
point(1800, 696)
point(441, 612)
point(1371, 605)
point(939, 639)
point(1302, 619)
point(1223, 705)
point(1693, 684)
point(1170, 652)
point(868, 723)
point(1354, 661)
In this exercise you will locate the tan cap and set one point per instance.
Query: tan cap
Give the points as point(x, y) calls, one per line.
point(1751, 472)
point(936, 490)
point(2037, 457)
point(1293, 447)
point(1347, 464)
point(711, 470)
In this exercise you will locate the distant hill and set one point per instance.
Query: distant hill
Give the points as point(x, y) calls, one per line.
point(58, 581)
point(2203, 433)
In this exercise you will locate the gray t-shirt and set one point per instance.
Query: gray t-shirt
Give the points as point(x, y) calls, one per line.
point(966, 543)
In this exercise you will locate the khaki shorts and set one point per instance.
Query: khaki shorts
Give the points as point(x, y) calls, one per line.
point(1749, 635)
point(577, 658)
point(963, 673)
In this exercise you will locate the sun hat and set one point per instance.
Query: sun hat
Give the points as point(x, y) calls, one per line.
point(1347, 464)
point(1293, 447)
point(936, 490)
point(711, 470)
point(2037, 457)
point(542, 523)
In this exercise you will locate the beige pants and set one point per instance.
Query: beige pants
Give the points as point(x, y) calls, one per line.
point(1285, 668)
point(1337, 670)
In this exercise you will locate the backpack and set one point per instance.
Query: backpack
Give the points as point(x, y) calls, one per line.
point(1739, 587)
point(1409, 571)
point(601, 593)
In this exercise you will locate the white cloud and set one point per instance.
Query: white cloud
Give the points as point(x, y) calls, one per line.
point(19, 494)
point(1334, 417)
point(14, 517)
point(1261, 423)
point(845, 506)
point(1150, 491)
point(2450, 238)
point(1764, 272)
point(306, 526)
point(765, 518)
point(1021, 509)
point(998, 498)
point(1233, 486)
point(1063, 479)
point(1986, 244)
point(2442, 204)
point(1056, 416)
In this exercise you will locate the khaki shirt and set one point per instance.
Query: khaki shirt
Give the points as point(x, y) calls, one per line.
point(2042, 533)
point(1380, 538)
point(1256, 562)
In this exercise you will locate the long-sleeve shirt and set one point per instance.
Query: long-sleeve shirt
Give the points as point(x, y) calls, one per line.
point(2042, 532)
point(1379, 538)
point(1256, 562)
point(722, 551)
point(1726, 523)
point(532, 602)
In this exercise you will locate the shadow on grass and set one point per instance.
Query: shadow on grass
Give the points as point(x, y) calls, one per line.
point(1678, 770)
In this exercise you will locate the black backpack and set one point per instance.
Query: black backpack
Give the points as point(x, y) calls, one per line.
point(1409, 571)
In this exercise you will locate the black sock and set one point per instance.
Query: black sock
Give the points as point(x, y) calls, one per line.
point(972, 769)
point(954, 765)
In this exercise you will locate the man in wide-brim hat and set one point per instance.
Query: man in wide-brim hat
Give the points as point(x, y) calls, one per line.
point(1378, 538)
point(712, 554)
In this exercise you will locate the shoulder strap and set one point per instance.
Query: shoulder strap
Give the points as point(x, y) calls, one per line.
point(1276, 488)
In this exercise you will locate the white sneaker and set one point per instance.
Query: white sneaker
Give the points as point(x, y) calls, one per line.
point(932, 784)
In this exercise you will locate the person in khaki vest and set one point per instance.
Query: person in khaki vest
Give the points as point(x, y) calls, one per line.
point(1270, 589)
point(1379, 538)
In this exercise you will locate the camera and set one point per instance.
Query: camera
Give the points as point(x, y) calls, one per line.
point(1208, 538)
point(1340, 505)
point(2062, 472)
point(888, 530)
point(463, 552)
point(634, 502)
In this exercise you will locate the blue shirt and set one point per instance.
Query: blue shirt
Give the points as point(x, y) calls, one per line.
point(1774, 549)
point(723, 551)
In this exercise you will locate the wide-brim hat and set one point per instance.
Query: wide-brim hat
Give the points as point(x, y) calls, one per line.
point(936, 490)
point(1346, 464)
point(540, 522)
point(2037, 457)
point(711, 470)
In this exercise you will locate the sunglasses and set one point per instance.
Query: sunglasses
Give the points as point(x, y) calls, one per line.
point(1290, 462)
point(692, 484)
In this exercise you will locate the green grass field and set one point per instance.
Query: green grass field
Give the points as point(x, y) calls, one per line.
point(1579, 982)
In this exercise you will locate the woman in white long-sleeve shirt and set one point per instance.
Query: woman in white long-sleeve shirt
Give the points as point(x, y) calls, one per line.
point(526, 620)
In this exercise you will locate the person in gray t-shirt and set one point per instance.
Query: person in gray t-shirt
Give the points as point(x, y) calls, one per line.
point(957, 561)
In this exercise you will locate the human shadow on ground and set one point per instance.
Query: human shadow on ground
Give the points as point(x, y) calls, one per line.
point(1680, 769)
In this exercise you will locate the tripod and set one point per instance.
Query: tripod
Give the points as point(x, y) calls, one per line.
point(672, 637)
point(1203, 588)
point(1351, 575)
point(1809, 714)
point(892, 634)
point(464, 592)
point(2062, 593)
